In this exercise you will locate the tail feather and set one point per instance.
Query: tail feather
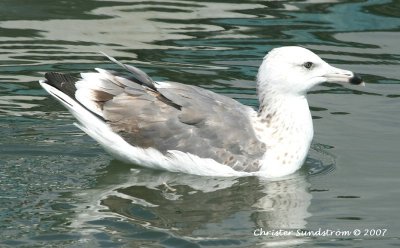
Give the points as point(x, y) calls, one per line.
point(94, 89)
point(94, 126)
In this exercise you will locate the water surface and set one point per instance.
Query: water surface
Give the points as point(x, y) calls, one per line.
point(59, 189)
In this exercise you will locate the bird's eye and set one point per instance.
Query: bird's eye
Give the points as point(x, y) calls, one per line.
point(308, 65)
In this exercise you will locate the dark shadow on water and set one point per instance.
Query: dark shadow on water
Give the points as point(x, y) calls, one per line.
point(319, 161)
point(136, 204)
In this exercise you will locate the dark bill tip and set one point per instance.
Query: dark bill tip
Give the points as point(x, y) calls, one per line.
point(356, 79)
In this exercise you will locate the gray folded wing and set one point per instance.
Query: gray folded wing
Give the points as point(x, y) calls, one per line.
point(188, 119)
point(170, 116)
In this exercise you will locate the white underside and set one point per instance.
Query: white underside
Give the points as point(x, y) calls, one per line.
point(173, 160)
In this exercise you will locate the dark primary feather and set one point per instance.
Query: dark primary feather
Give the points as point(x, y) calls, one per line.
point(62, 82)
point(178, 117)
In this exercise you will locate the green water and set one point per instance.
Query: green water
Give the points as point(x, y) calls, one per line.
point(59, 189)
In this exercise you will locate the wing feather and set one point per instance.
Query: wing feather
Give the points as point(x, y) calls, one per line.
point(170, 117)
point(207, 124)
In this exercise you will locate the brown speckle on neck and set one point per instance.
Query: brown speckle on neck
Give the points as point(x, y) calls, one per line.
point(266, 118)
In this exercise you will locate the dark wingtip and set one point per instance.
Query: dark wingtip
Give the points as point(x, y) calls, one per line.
point(356, 79)
point(62, 82)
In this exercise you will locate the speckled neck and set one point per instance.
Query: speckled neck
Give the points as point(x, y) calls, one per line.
point(285, 126)
point(285, 114)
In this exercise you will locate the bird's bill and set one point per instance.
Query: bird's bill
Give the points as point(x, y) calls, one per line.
point(336, 75)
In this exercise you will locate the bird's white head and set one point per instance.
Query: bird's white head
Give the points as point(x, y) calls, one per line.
point(295, 70)
point(284, 78)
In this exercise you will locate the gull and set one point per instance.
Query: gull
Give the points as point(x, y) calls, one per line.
point(188, 129)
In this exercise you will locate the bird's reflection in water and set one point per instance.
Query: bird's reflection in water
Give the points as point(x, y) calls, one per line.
point(195, 208)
